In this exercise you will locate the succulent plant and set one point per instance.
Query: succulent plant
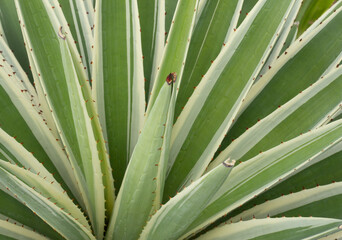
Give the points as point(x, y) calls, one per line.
point(166, 119)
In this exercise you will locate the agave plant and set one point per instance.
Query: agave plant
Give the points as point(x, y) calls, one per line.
point(170, 119)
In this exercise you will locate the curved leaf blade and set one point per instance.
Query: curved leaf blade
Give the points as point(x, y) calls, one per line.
point(176, 215)
point(139, 195)
point(118, 86)
point(212, 108)
point(288, 121)
point(60, 81)
point(304, 61)
point(276, 228)
point(315, 202)
point(257, 175)
point(59, 220)
point(207, 40)
point(15, 231)
point(176, 46)
point(13, 208)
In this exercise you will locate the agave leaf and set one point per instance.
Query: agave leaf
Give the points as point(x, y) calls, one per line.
point(12, 67)
point(334, 114)
point(12, 33)
point(310, 202)
point(215, 102)
point(199, 9)
point(2, 32)
point(291, 38)
point(176, 46)
point(90, 165)
point(276, 228)
point(118, 79)
point(16, 210)
point(296, 115)
point(170, 8)
point(90, 106)
point(80, 17)
point(251, 178)
point(165, 151)
point(22, 119)
point(16, 231)
point(41, 103)
point(338, 115)
point(322, 18)
point(51, 190)
point(310, 11)
point(245, 9)
point(208, 37)
point(323, 169)
point(152, 21)
point(283, 38)
point(177, 214)
point(59, 79)
point(304, 61)
point(61, 221)
point(336, 235)
point(60, 111)
point(92, 112)
point(15, 153)
point(139, 195)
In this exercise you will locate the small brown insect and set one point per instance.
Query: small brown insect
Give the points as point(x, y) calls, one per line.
point(60, 33)
point(172, 77)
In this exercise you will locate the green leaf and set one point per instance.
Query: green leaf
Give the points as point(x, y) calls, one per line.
point(215, 102)
point(13, 69)
point(276, 228)
point(322, 18)
point(291, 37)
point(334, 114)
point(152, 21)
point(80, 18)
point(207, 40)
point(176, 215)
point(12, 33)
point(315, 202)
point(257, 175)
point(58, 219)
point(170, 8)
point(16, 231)
point(176, 46)
point(23, 119)
point(15, 153)
point(139, 195)
point(90, 106)
point(322, 170)
point(61, 81)
point(336, 235)
point(118, 86)
point(48, 187)
point(246, 8)
point(338, 114)
point(86, 92)
point(304, 60)
point(296, 115)
point(286, 37)
point(13, 208)
point(310, 12)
